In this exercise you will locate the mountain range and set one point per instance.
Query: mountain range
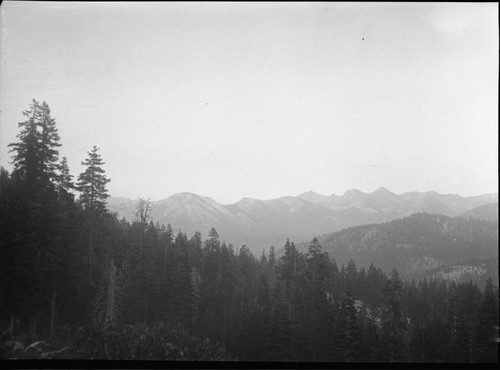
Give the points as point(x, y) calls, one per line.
point(262, 223)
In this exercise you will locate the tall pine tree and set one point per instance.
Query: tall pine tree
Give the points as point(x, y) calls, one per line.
point(38, 257)
point(92, 185)
point(93, 193)
point(486, 331)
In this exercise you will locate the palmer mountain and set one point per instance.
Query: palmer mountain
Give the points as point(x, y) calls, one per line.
point(262, 223)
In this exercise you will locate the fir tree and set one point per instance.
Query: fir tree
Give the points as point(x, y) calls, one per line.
point(39, 255)
point(393, 336)
point(92, 183)
point(456, 343)
point(280, 330)
point(486, 331)
point(317, 308)
point(35, 154)
point(92, 186)
point(348, 332)
point(93, 193)
point(64, 179)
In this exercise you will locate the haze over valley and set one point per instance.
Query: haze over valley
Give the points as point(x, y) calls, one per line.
point(431, 235)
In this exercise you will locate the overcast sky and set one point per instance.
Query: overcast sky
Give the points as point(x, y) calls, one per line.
point(261, 100)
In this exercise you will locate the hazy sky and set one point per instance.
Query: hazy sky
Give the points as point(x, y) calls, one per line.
point(233, 100)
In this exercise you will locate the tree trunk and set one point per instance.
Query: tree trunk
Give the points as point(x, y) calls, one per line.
point(146, 310)
point(224, 329)
point(32, 328)
point(52, 315)
point(11, 326)
point(110, 302)
point(423, 343)
point(7, 333)
point(91, 246)
point(90, 262)
point(471, 351)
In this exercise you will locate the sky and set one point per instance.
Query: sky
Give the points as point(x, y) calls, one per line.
point(261, 100)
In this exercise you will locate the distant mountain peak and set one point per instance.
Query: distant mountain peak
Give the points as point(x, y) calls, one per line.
point(290, 199)
point(312, 197)
point(119, 200)
point(310, 192)
point(248, 202)
point(432, 192)
point(354, 192)
point(185, 194)
point(247, 199)
point(383, 191)
point(179, 197)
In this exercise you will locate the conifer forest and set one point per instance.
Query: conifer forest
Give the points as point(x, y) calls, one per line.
point(77, 282)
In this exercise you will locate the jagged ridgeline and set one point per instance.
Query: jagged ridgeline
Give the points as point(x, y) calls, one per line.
point(261, 223)
point(77, 282)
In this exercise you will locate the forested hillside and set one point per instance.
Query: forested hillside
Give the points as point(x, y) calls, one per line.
point(486, 212)
point(77, 282)
point(422, 245)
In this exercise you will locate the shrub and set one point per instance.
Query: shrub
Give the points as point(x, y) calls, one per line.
point(160, 341)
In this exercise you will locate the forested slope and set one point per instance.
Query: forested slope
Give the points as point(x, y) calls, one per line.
point(422, 245)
